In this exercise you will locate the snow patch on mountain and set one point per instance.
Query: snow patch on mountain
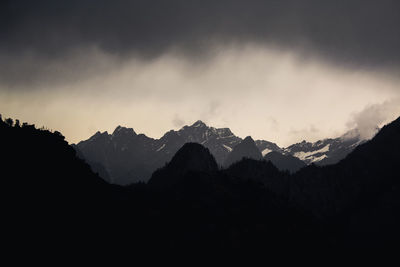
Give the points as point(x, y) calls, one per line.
point(306, 155)
point(160, 148)
point(266, 151)
point(316, 159)
point(227, 147)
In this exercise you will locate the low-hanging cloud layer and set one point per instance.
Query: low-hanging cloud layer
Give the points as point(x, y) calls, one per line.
point(373, 117)
point(279, 70)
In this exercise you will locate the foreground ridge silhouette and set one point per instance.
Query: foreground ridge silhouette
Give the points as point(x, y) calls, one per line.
point(53, 198)
point(192, 157)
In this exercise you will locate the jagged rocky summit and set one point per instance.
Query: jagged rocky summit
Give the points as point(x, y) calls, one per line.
point(124, 156)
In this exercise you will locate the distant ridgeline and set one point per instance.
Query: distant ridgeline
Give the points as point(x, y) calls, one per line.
point(124, 156)
point(54, 202)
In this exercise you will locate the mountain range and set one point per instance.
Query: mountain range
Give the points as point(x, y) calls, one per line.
point(52, 199)
point(125, 157)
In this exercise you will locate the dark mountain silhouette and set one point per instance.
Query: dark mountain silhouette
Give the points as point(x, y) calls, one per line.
point(52, 198)
point(125, 157)
point(245, 149)
point(192, 157)
point(260, 171)
point(285, 162)
point(358, 199)
point(362, 191)
point(54, 201)
point(369, 166)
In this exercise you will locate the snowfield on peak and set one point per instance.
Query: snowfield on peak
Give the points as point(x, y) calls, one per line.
point(266, 151)
point(306, 155)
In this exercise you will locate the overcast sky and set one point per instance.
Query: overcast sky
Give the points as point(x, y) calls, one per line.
point(282, 70)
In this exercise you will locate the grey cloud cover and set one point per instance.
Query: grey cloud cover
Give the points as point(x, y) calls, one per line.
point(357, 32)
point(97, 63)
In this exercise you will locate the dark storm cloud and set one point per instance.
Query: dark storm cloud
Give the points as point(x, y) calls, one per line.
point(349, 32)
